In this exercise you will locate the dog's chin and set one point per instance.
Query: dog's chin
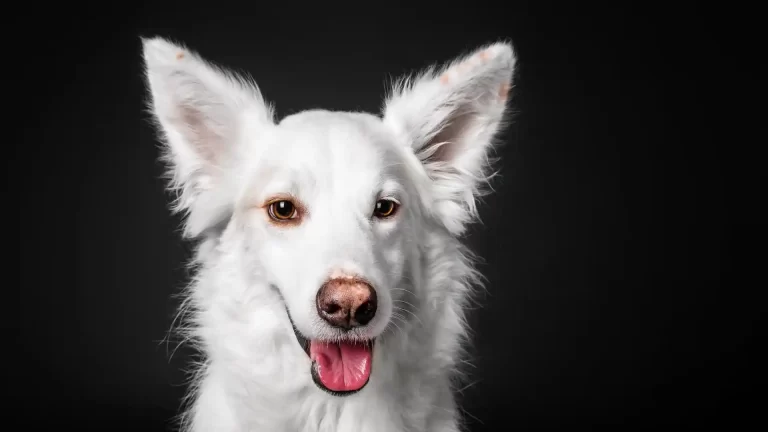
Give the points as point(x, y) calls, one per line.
point(340, 368)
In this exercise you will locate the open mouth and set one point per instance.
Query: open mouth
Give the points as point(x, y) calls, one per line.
point(340, 368)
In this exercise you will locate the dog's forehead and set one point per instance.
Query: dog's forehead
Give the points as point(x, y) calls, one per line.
point(333, 143)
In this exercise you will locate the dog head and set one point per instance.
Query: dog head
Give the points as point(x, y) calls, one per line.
point(329, 207)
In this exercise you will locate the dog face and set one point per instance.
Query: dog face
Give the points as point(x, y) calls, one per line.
point(329, 207)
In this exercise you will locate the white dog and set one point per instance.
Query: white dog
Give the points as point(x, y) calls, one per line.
point(331, 280)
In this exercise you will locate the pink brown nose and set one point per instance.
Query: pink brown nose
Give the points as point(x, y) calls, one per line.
point(346, 303)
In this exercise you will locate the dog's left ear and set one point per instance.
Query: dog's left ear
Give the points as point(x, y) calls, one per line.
point(449, 118)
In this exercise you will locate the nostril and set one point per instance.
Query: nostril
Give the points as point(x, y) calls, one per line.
point(365, 312)
point(366, 307)
point(331, 308)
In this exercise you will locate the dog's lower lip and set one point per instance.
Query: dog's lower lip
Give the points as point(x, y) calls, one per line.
point(304, 342)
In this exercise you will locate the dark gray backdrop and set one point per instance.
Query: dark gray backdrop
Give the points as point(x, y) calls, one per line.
point(610, 244)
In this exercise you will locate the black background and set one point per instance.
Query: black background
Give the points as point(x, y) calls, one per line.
point(616, 244)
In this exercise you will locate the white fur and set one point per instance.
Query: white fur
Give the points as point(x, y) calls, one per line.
point(227, 155)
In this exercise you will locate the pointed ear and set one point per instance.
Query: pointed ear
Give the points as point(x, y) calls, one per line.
point(449, 118)
point(201, 112)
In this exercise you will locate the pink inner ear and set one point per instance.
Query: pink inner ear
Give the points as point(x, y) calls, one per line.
point(207, 143)
point(451, 135)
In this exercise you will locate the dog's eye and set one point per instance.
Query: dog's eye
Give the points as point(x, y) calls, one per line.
point(385, 208)
point(282, 210)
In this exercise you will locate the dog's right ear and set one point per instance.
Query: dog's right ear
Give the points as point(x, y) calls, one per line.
point(201, 112)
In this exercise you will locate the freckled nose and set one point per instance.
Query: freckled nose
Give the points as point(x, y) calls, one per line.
point(346, 303)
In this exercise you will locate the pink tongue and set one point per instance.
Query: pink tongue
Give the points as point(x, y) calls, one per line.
point(341, 366)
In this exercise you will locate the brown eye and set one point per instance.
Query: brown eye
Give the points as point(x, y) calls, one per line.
point(385, 208)
point(282, 210)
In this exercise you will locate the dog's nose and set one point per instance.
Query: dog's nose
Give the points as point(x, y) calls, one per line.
point(346, 303)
